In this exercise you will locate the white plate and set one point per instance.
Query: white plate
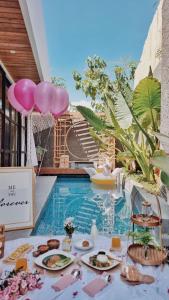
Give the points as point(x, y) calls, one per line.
point(85, 259)
point(39, 260)
point(78, 244)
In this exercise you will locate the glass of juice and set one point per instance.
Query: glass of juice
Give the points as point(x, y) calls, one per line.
point(116, 243)
point(21, 264)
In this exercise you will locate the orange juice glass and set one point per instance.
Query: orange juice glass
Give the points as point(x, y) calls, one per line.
point(116, 242)
point(21, 264)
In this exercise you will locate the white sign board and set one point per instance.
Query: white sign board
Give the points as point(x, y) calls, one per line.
point(16, 198)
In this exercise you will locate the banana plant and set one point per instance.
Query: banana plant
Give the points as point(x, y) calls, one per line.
point(161, 160)
point(146, 102)
point(122, 109)
point(125, 136)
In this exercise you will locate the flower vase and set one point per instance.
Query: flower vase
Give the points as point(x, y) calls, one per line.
point(69, 235)
point(67, 242)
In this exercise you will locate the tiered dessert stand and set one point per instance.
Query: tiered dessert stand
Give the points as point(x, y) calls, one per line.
point(149, 255)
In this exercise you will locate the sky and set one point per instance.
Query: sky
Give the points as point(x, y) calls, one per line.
point(75, 29)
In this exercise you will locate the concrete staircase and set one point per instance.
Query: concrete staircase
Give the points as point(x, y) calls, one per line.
point(87, 142)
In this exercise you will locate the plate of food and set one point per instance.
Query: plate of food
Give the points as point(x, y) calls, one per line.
point(54, 260)
point(19, 252)
point(84, 244)
point(100, 260)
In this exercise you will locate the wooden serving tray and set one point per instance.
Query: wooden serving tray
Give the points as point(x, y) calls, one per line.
point(140, 220)
point(155, 256)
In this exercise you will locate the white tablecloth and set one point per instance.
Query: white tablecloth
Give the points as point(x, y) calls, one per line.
point(117, 290)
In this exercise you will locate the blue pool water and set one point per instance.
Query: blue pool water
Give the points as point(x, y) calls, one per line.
point(77, 197)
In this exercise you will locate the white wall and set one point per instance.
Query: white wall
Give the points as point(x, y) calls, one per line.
point(165, 72)
point(151, 55)
point(158, 41)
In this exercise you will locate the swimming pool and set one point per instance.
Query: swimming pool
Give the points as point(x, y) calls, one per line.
point(77, 197)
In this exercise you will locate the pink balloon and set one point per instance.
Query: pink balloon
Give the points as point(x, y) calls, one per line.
point(24, 93)
point(12, 100)
point(43, 94)
point(36, 109)
point(59, 102)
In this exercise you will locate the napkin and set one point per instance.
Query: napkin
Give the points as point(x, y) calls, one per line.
point(64, 282)
point(95, 286)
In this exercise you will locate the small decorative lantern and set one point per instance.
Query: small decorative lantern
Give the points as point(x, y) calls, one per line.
point(2, 240)
point(146, 210)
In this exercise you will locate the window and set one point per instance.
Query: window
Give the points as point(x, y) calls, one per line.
point(12, 129)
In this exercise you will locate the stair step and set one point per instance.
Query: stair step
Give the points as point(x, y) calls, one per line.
point(84, 226)
point(83, 219)
point(93, 156)
point(86, 138)
point(89, 147)
point(92, 150)
point(86, 209)
point(80, 125)
point(88, 143)
point(82, 134)
point(87, 215)
point(82, 129)
point(83, 230)
point(89, 205)
point(93, 159)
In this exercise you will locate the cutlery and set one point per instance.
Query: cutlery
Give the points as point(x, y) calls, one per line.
point(76, 273)
point(77, 261)
point(107, 278)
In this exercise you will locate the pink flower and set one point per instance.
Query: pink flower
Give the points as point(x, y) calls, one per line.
point(23, 291)
point(14, 287)
point(7, 291)
point(23, 287)
point(32, 283)
point(13, 297)
point(17, 295)
point(39, 285)
point(23, 284)
point(19, 285)
point(1, 293)
point(6, 297)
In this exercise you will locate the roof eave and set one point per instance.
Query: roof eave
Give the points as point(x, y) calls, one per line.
point(33, 17)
